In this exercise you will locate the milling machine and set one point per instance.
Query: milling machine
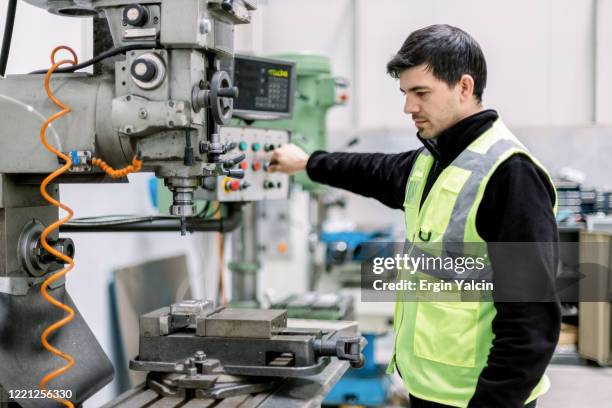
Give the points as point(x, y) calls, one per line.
point(161, 94)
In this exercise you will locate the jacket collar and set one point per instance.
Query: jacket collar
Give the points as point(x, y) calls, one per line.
point(452, 141)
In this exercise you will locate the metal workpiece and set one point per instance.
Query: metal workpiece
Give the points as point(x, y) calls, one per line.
point(177, 316)
point(192, 308)
point(246, 323)
point(188, 312)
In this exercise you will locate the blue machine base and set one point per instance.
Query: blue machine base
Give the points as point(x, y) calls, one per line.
point(367, 389)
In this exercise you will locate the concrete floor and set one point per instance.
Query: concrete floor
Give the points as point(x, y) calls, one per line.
point(578, 387)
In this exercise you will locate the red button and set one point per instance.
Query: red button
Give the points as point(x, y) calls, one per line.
point(256, 165)
point(234, 185)
point(244, 165)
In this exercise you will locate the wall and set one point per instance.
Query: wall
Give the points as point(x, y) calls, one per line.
point(549, 63)
point(528, 44)
point(37, 32)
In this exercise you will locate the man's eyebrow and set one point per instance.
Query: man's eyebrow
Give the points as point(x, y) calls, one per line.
point(419, 88)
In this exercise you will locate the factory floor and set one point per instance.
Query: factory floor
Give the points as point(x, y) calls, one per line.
point(578, 386)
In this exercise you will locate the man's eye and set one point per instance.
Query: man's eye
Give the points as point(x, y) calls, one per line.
point(421, 94)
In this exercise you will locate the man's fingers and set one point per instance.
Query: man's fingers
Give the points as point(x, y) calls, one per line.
point(273, 168)
point(275, 156)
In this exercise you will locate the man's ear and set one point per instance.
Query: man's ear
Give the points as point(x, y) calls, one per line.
point(466, 87)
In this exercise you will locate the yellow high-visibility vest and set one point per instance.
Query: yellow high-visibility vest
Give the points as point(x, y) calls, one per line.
point(441, 347)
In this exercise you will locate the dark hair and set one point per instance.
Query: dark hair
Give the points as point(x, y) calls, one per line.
point(448, 52)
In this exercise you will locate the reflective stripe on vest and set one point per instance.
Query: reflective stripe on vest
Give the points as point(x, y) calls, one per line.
point(442, 346)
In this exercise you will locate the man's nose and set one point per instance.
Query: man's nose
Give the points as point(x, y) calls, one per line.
point(410, 107)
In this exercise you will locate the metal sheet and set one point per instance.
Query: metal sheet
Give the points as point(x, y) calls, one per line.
point(138, 290)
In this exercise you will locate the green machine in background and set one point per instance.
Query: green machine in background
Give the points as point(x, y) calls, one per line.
point(316, 92)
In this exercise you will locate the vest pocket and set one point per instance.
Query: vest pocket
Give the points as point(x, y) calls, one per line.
point(446, 332)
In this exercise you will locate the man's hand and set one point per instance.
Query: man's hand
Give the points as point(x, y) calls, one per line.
point(288, 159)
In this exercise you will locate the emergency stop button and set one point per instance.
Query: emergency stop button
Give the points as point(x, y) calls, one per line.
point(233, 185)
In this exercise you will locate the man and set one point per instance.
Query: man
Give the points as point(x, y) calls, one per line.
point(474, 354)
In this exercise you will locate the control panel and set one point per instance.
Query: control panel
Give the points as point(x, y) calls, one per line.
point(257, 145)
point(267, 87)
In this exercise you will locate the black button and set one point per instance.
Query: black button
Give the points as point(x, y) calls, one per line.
point(143, 70)
point(136, 15)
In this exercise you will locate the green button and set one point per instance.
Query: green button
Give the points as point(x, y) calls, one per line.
point(243, 146)
point(256, 147)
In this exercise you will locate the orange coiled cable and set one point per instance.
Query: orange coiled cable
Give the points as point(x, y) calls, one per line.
point(43, 238)
point(132, 168)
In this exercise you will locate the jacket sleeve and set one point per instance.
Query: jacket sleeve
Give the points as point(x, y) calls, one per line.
point(375, 175)
point(517, 208)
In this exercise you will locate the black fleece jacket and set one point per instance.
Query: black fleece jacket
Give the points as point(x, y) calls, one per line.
point(516, 207)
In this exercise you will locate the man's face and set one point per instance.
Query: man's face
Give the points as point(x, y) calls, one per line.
point(433, 105)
